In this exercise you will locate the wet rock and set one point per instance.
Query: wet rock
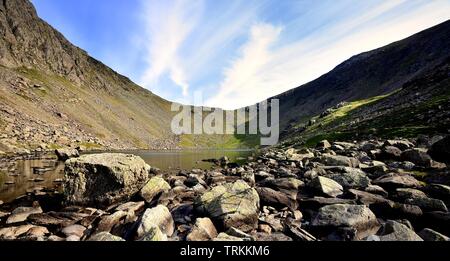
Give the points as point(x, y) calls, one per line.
point(74, 230)
point(159, 217)
point(103, 179)
point(430, 235)
point(21, 214)
point(275, 198)
point(440, 151)
point(65, 154)
point(326, 186)
point(395, 180)
point(154, 187)
point(331, 160)
point(105, 236)
point(231, 205)
point(395, 231)
point(203, 230)
point(357, 217)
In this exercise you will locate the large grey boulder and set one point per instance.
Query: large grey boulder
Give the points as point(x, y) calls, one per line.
point(231, 205)
point(103, 179)
point(357, 217)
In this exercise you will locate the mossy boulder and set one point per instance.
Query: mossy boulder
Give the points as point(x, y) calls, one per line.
point(230, 205)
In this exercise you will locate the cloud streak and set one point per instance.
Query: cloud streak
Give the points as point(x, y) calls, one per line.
point(168, 25)
point(266, 67)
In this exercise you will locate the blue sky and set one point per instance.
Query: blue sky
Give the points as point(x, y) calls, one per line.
point(233, 53)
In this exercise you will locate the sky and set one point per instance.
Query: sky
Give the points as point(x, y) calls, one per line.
point(233, 53)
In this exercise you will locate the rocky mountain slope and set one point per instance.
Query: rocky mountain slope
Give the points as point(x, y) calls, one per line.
point(367, 75)
point(420, 107)
point(53, 93)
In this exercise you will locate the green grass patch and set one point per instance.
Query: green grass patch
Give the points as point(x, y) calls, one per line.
point(336, 136)
point(54, 146)
point(90, 145)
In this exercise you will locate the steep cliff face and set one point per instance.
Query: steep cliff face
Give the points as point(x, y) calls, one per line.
point(54, 93)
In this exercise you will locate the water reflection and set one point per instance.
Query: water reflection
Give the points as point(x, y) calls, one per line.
point(22, 176)
point(18, 177)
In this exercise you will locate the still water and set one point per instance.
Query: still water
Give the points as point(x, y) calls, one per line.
point(19, 177)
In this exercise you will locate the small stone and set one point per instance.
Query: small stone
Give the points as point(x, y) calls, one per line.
point(21, 214)
point(264, 228)
point(73, 238)
point(74, 230)
point(155, 186)
point(154, 234)
point(225, 237)
point(326, 186)
point(203, 230)
point(105, 236)
point(65, 154)
point(158, 216)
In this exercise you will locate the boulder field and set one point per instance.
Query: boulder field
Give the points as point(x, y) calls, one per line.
point(373, 190)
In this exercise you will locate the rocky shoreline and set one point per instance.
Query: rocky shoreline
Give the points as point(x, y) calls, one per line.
point(375, 190)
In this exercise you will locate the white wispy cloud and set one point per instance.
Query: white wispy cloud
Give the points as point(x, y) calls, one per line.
point(168, 24)
point(265, 68)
